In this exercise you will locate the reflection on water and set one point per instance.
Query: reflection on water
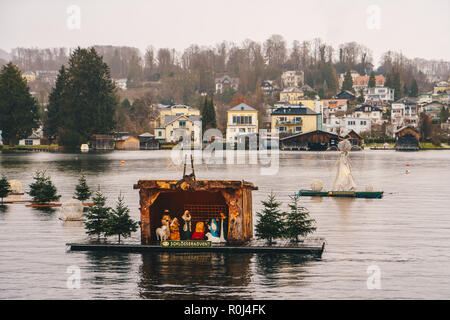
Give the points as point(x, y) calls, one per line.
point(405, 234)
point(193, 276)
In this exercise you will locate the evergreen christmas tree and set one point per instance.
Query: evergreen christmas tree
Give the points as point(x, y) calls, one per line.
point(414, 92)
point(82, 190)
point(42, 189)
point(97, 216)
point(270, 221)
point(5, 188)
point(119, 222)
point(348, 81)
point(372, 82)
point(18, 109)
point(297, 221)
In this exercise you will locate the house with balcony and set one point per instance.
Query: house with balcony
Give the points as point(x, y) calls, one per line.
point(241, 120)
point(381, 95)
point(404, 112)
point(344, 125)
point(368, 111)
point(176, 127)
point(294, 119)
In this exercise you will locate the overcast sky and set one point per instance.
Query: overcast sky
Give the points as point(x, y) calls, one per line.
point(418, 28)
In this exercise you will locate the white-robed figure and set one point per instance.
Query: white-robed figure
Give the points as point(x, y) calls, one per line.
point(213, 234)
point(344, 179)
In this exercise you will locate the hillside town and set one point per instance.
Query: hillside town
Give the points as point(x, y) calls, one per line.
point(156, 103)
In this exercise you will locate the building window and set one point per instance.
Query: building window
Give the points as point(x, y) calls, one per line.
point(363, 123)
point(159, 133)
point(182, 123)
point(298, 129)
point(28, 142)
point(351, 123)
point(241, 129)
point(282, 129)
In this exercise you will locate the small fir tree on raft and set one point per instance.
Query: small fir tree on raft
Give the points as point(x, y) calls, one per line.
point(97, 216)
point(119, 222)
point(270, 221)
point(82, 190)
point(5, 188)
point(297, 221)
point(42, 190)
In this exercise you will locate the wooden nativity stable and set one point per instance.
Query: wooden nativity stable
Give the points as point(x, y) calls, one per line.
point(205, 199)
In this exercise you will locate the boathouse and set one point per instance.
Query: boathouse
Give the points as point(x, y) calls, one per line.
point(317, 140)
point(355, 139)
point(205, 199)
point(127, 143)
point(102, 142)
point(407, 139)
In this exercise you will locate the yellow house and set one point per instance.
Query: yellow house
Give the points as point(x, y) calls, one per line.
point(241, 120)
point(441, 87)
point(295, 119)
point(176, 127)
point(291, 95)
point(176, 110)
point(30, 76)
point(314, 105)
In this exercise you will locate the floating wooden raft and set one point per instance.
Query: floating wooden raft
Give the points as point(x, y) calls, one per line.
point(342, 194)
point(315, 248)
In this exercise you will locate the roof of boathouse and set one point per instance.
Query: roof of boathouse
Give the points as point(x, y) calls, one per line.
point(200, 185)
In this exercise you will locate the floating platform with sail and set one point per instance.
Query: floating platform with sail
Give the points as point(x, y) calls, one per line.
point(344, 184)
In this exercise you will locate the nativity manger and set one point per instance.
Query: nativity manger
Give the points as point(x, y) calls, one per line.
point(217, 203)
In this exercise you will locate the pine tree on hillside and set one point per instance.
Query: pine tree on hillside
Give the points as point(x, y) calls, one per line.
point(348, 82)
point(372, 81)
point(297, 221)
point(208, 114)
point(54, 117)
point(414, 92)
point(397, 86)
point(97, 216)
point(388, 82)
point(42, 190)
point(119, 222)
point(84, 101)
point(5, 188)
point(270, 221)
point(82, 190)
point(18, 109)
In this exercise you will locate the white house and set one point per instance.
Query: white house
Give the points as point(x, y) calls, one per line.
point(343, 125)
point(121, 84)
point(226, 82)
point(383, 94)
point(241, 120)
point(292, 79)
point(368, 111)
point(32, 140)
point(404, 112)
point(178, 126)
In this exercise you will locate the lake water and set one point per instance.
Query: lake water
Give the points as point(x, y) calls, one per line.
point(405, 235)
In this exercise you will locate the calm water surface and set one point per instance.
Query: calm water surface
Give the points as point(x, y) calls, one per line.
point(406, 234)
